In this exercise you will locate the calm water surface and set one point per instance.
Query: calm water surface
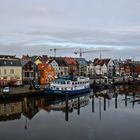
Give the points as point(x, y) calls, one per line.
point(107, 115)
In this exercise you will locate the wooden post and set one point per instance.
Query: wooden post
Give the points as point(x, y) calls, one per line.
point(116, 101)
point(93, 103)
point(67, 108)
point(104, 103)
point(100, 109)
point(78, 106)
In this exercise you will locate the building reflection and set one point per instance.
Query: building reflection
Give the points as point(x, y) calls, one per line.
point(70, 103)
point(119, 94)
point(102, 101)
point(10, 110)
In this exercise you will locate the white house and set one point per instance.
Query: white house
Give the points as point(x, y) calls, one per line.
point(59, 65)
point(104, 67)
point(90, 71)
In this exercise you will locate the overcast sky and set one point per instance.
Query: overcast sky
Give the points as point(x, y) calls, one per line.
point(35, 26)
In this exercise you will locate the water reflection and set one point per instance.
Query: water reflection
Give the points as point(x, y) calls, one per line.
point(10, 110)
point(113, 112)
point(29, 107)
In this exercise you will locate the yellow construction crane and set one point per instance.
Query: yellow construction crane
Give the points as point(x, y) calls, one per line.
point(80, 52)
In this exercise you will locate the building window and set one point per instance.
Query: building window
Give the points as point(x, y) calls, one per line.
point(11, 71)
point(5, 71)
point(4, 62)
point(32, 74)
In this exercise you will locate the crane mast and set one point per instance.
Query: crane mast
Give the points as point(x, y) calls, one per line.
point(54, 50)
point(80, 52)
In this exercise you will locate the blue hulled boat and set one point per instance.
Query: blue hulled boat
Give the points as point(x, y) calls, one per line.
point(68, 85)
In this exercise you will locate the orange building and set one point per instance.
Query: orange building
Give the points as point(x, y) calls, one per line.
point(46, 73)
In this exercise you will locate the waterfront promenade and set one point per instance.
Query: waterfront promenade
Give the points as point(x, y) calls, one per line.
point(22, 92)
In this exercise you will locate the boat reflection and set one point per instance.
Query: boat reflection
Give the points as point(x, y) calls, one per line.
point(116, 97)
point(69, 103)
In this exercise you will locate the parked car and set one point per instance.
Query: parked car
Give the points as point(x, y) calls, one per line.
point(37, 86)
point(6, 90)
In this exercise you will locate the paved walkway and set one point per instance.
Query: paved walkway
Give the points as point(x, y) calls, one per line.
point(20, 90)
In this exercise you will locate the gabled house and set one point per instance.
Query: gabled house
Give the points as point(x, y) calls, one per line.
point(55, 65)
point(125, 69)
point(137, 70)
point(110, 66)
point(10, 70)
point(117, 64)
point(90, 70)
point(46, 73)
point(100, 67)
point(62, 68)
point(82, 66)
point(40, 59)
point(72, 65)
point(28, 71)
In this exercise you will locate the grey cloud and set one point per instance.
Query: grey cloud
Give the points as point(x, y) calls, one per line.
point(35, 26)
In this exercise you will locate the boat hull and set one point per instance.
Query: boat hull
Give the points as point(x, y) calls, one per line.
point(62, 92)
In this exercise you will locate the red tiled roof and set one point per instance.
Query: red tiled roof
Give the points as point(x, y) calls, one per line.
point(70, 61)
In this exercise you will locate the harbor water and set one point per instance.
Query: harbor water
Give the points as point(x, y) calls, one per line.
point(111, 114)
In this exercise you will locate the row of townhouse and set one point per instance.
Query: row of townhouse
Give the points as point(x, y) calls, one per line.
point(109, 67)
point(43, 69)
point(100, 67)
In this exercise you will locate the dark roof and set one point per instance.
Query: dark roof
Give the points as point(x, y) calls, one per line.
point(50, 61)
point(101, 62)
point(106, 60)
point(81, 61)
point(25, 61)
point(98, 62)
point(43, 58)
point(8, 56)
point(60, 61)
point(10, 62)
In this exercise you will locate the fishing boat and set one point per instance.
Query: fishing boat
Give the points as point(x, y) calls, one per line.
point(68, 85)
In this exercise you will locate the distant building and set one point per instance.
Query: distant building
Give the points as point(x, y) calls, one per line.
point(10, 70)
point(90, 70)
point(117, 64)
point(60, 66)
point(125, 69)
point(82, 66)
point(28, 71)
point(100, 67)
point(72, 65)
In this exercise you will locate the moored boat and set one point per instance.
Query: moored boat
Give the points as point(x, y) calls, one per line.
point(68, 85)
